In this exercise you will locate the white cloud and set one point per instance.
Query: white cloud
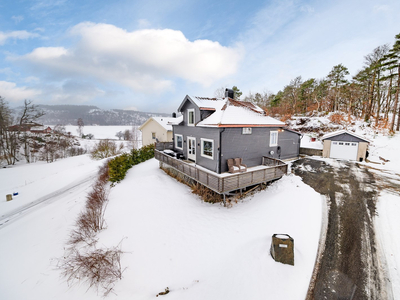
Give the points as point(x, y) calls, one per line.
point(144, 60)
point(17, 19)
point(12, 93)
point(143, 23)
point(19, 34)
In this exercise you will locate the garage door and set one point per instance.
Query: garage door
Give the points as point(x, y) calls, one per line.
point(344, 150)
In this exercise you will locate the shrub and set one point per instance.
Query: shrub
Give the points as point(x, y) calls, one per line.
point(119, 166)
point(83, 261)
point(91, 220)
point(99, 268)
point(105, 148)
point(206, 194)
point(337, 118)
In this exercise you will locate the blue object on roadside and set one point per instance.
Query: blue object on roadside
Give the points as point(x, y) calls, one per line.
point(15, 194)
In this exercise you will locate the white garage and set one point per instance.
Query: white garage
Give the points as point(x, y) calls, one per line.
point(345, 145)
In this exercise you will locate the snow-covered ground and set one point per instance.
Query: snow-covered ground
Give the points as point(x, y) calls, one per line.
point(170, 237)
point(101, 132)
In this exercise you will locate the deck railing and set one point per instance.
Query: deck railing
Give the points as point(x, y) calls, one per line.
point(223, 184)
point(164, 145)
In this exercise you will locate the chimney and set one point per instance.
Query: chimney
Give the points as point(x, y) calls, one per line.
point(229, 93)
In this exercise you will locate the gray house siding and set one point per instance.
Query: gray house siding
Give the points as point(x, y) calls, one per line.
point(189, 105)
point(289, 143)
point(252, 147)
point(199, 133)
point(345, 137)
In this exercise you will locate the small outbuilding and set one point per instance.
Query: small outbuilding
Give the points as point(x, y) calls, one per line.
point(344, 144)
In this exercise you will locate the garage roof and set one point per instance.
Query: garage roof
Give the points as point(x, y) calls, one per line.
point(336, 133)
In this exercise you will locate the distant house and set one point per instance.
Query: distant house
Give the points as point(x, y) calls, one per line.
point(158, 129)
point(42, 129)
point(30, 127)
point(214, 130)
point(344, 144)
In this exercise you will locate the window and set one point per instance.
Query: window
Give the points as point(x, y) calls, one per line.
point(335, 143)
point(153, 135)
point(340, 144)
point(246, 130)
point(207, 148)
point(273, 138)
point(191, 117)
point(353, 144)
point(179, 141)
point(347, 144)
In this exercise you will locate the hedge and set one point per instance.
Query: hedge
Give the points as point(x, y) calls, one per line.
point(118, 166)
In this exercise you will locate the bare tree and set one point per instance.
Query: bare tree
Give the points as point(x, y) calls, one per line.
point(80, 127)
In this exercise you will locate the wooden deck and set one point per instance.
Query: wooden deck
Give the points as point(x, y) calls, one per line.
point(224, 183)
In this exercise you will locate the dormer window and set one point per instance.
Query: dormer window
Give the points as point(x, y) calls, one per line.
point(190, 117)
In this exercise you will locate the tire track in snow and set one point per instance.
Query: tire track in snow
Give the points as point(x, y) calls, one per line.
point(17, 213)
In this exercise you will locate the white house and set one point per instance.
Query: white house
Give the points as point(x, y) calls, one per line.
point(158, 129)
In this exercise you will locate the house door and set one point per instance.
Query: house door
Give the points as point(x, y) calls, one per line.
point(191, 142)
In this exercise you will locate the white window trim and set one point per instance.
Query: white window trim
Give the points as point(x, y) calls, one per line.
point(271, 143)
point(247, 130)
point(202, 148)
point(188, 116)
point(176, 141)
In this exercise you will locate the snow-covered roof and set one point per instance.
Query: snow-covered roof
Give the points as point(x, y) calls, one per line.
point(204, 103)
point(239, 113)
point(165, 122)
point(339, 132)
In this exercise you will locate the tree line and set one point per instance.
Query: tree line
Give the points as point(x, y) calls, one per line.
point(19, 142)
point(372, 93)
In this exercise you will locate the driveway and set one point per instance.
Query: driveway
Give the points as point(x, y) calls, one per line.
point(349, 265)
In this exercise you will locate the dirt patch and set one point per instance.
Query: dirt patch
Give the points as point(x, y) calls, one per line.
point(349, 266)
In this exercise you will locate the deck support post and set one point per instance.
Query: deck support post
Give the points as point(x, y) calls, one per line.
point(224, 201)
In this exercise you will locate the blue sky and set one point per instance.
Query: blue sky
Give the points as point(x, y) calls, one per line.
point(147, 55)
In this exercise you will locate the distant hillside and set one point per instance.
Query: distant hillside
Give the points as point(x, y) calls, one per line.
point(92, 115)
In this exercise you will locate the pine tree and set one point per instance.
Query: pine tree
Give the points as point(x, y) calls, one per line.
point(236, 93)
point(336, 77)
point(391, 62)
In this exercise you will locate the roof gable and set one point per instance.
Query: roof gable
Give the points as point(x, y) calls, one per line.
point(164, 122)
point(203, 103)
point(339, 132)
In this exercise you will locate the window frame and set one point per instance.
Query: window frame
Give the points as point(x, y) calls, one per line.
point(189, 111)
point(202, 148)
point(247, 130)
point(153, 135)
point(271, 141)
point(176, 141)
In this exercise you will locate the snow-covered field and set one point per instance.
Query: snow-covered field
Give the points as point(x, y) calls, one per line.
point(170, 237)
point(101, 132)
